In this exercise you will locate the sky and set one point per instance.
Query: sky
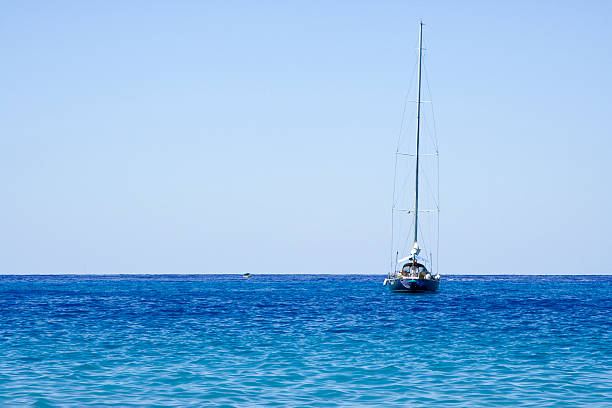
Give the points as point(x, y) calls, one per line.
point(235, 136)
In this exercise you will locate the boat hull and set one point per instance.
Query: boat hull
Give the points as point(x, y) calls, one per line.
point(413, 285)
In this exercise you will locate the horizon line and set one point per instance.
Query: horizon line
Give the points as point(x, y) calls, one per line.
point(284, 274)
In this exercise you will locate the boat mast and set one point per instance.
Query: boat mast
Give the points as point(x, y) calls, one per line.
point(418, 124)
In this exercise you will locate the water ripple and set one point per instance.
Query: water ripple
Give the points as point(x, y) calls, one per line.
point(304, 341)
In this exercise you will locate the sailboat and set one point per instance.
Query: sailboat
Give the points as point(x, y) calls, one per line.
point(413, 273)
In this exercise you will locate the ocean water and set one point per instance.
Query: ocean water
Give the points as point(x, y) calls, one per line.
point(325, 341)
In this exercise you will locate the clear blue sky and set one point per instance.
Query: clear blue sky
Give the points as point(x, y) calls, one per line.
point(217, 137)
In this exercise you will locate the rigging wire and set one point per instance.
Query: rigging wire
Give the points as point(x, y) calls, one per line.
point(433, 136)
point(433, 116)
point(399, 138)
point(432, 194)
point(435, 140)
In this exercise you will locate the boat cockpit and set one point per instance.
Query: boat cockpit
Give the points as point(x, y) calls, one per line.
point(415, 270)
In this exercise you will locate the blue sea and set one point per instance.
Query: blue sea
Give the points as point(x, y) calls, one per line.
point(289, 341)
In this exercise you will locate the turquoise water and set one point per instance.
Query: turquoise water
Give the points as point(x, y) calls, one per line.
point(304, 341)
